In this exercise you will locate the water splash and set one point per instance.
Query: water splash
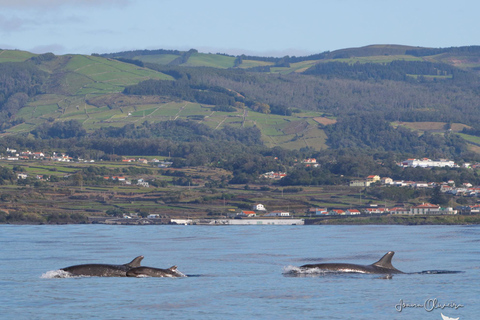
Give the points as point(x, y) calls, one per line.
point(293, 271)
point(54, 274)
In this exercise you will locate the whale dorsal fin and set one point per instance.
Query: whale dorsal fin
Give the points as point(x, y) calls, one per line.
point(385, 261)
point(135, 263)
point(174, 268)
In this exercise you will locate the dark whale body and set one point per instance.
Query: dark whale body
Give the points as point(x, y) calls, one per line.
point(154, 272)
point(103, 270)
point(382, 266)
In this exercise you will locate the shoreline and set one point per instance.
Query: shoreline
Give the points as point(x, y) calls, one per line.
point(406, 220)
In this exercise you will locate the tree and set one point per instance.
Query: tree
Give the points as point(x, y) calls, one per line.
point(438, 197)
point(261, 107)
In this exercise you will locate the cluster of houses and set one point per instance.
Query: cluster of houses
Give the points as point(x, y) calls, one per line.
point(309, 162)
point(140, 182)
point(13, 155)
point(466, 189)
point(273, 175)
point(375, 179)
point(440, 163)
point(422, 209)
point(449, 187)
point(427, 163)
point(259, 210)
point(160, 163)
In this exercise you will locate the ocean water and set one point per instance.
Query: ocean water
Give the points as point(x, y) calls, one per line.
point(240, 272)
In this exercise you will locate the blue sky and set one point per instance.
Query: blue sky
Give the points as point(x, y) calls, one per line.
point(268, 28)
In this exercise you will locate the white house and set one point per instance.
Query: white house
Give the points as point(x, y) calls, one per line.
point(359, 183)
point(425, 208)
point(421, 185)
point(142, 183)
point(386, 180)
point(428, 163)
point(352, 212)
point(259, 207)
point(399, 210)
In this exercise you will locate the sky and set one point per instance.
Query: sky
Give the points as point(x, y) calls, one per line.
point(255, 27)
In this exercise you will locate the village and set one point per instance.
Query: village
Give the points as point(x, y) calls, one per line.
point(259, 211)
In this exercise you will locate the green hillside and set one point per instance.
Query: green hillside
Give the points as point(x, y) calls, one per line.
point(89, 89)
point(75, 79)
point(281, 97)
point(14, 55)
point(459, 57)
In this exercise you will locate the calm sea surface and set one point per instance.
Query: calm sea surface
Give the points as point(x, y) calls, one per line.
point(239, 272)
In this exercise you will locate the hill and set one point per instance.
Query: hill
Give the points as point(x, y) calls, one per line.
point(287, 99)
point(464, 57)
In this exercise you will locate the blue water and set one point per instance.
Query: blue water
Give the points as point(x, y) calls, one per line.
point(237, 272)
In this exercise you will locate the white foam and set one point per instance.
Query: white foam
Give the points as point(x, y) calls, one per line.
point(297, 271)
point(181, 275)
point(57, 274)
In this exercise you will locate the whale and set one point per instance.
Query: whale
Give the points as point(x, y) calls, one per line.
point(382, 266)
point(155, 272)
point(103, 270)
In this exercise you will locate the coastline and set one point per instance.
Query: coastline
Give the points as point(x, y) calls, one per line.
point(407, 220)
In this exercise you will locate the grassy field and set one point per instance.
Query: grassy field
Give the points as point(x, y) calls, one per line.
point(14, 55)
point(470, 138)
point(291, 132)
point(430, 126)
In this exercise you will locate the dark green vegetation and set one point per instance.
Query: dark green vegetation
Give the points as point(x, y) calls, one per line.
point(357, 111)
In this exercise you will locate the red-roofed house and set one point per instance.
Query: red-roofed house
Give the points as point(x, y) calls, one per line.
point(318, 211)
point(376, 210)
point(245, 213)
point(425, 208)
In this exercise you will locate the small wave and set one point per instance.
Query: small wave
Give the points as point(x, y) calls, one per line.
point(53, 274)
point(181, 275)
point(438, 272)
